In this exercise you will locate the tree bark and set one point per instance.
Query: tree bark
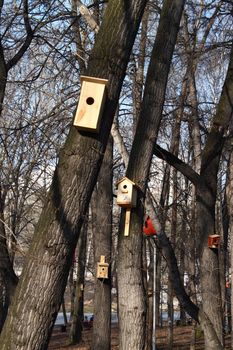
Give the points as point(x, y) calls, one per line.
point(39, 293)
point(102, 218)
point(75, 335)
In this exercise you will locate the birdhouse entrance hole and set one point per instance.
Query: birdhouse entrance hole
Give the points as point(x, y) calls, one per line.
point(90, 101)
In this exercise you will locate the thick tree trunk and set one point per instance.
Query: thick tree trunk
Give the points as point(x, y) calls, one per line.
point(130, 284)
point(39, 293)
point(175, 147)
point(78, 308)
point(102, 218)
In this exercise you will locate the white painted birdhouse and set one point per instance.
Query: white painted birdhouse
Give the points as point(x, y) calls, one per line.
point(91, 104)
point(102, 268)
point(126, 193)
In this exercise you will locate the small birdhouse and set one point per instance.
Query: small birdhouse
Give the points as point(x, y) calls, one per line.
point(126, 193)
point(102, 268)
point(149, 228)
point(214, 241)
point(126, 198)
point(91, 104)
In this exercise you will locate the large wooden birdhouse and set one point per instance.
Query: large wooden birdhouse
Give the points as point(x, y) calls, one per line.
point(214, 241)
point(102, 268)
point(126, 193)
point(91, 104)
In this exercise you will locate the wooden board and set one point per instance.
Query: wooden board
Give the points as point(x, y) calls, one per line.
point(127, 221)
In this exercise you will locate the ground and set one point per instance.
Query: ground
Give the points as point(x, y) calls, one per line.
point(182, 336)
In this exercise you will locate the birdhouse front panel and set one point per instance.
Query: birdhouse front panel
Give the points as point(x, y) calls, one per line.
point(126, 194)
point(102, 268)
point(91, 103)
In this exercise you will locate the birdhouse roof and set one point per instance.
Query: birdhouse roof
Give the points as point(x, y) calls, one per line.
point(93, 80)
point(125, 179)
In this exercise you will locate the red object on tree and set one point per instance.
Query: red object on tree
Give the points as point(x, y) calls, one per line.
point(149, 228)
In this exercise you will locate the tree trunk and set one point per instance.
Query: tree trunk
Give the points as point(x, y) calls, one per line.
point(150, 291)
point(130, 284)
point(102, 218)
point(170, 309)
point(175, 147)
point(78, 310)
point(39, 293)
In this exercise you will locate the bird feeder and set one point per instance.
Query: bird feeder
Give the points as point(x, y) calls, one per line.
point(213, 241)
point(91, 104)
point(126, 198)
point(102, 268)
point(149, 228)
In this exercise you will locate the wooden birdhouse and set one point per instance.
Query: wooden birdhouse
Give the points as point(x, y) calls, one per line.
point(91, 104)
point(126, 193)
point(214, 241)
point(126, 198)
point(102, 268)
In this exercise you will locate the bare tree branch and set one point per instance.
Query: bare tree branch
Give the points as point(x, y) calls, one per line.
point(178, 164)
point(14, 60)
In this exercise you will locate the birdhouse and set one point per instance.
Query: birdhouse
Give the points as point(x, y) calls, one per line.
point(149, 228)
point(91, 104)
point(102, 268)
point(214, 241)
point(126, 193)
point(126, 198)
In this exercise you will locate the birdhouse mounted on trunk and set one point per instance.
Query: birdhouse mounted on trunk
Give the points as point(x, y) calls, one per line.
point(91, 104)
point(213, 241)
point(102, 268)
point(126, 198)
point(126, 193)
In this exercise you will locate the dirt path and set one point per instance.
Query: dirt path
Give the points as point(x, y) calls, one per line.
point(182, 336)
